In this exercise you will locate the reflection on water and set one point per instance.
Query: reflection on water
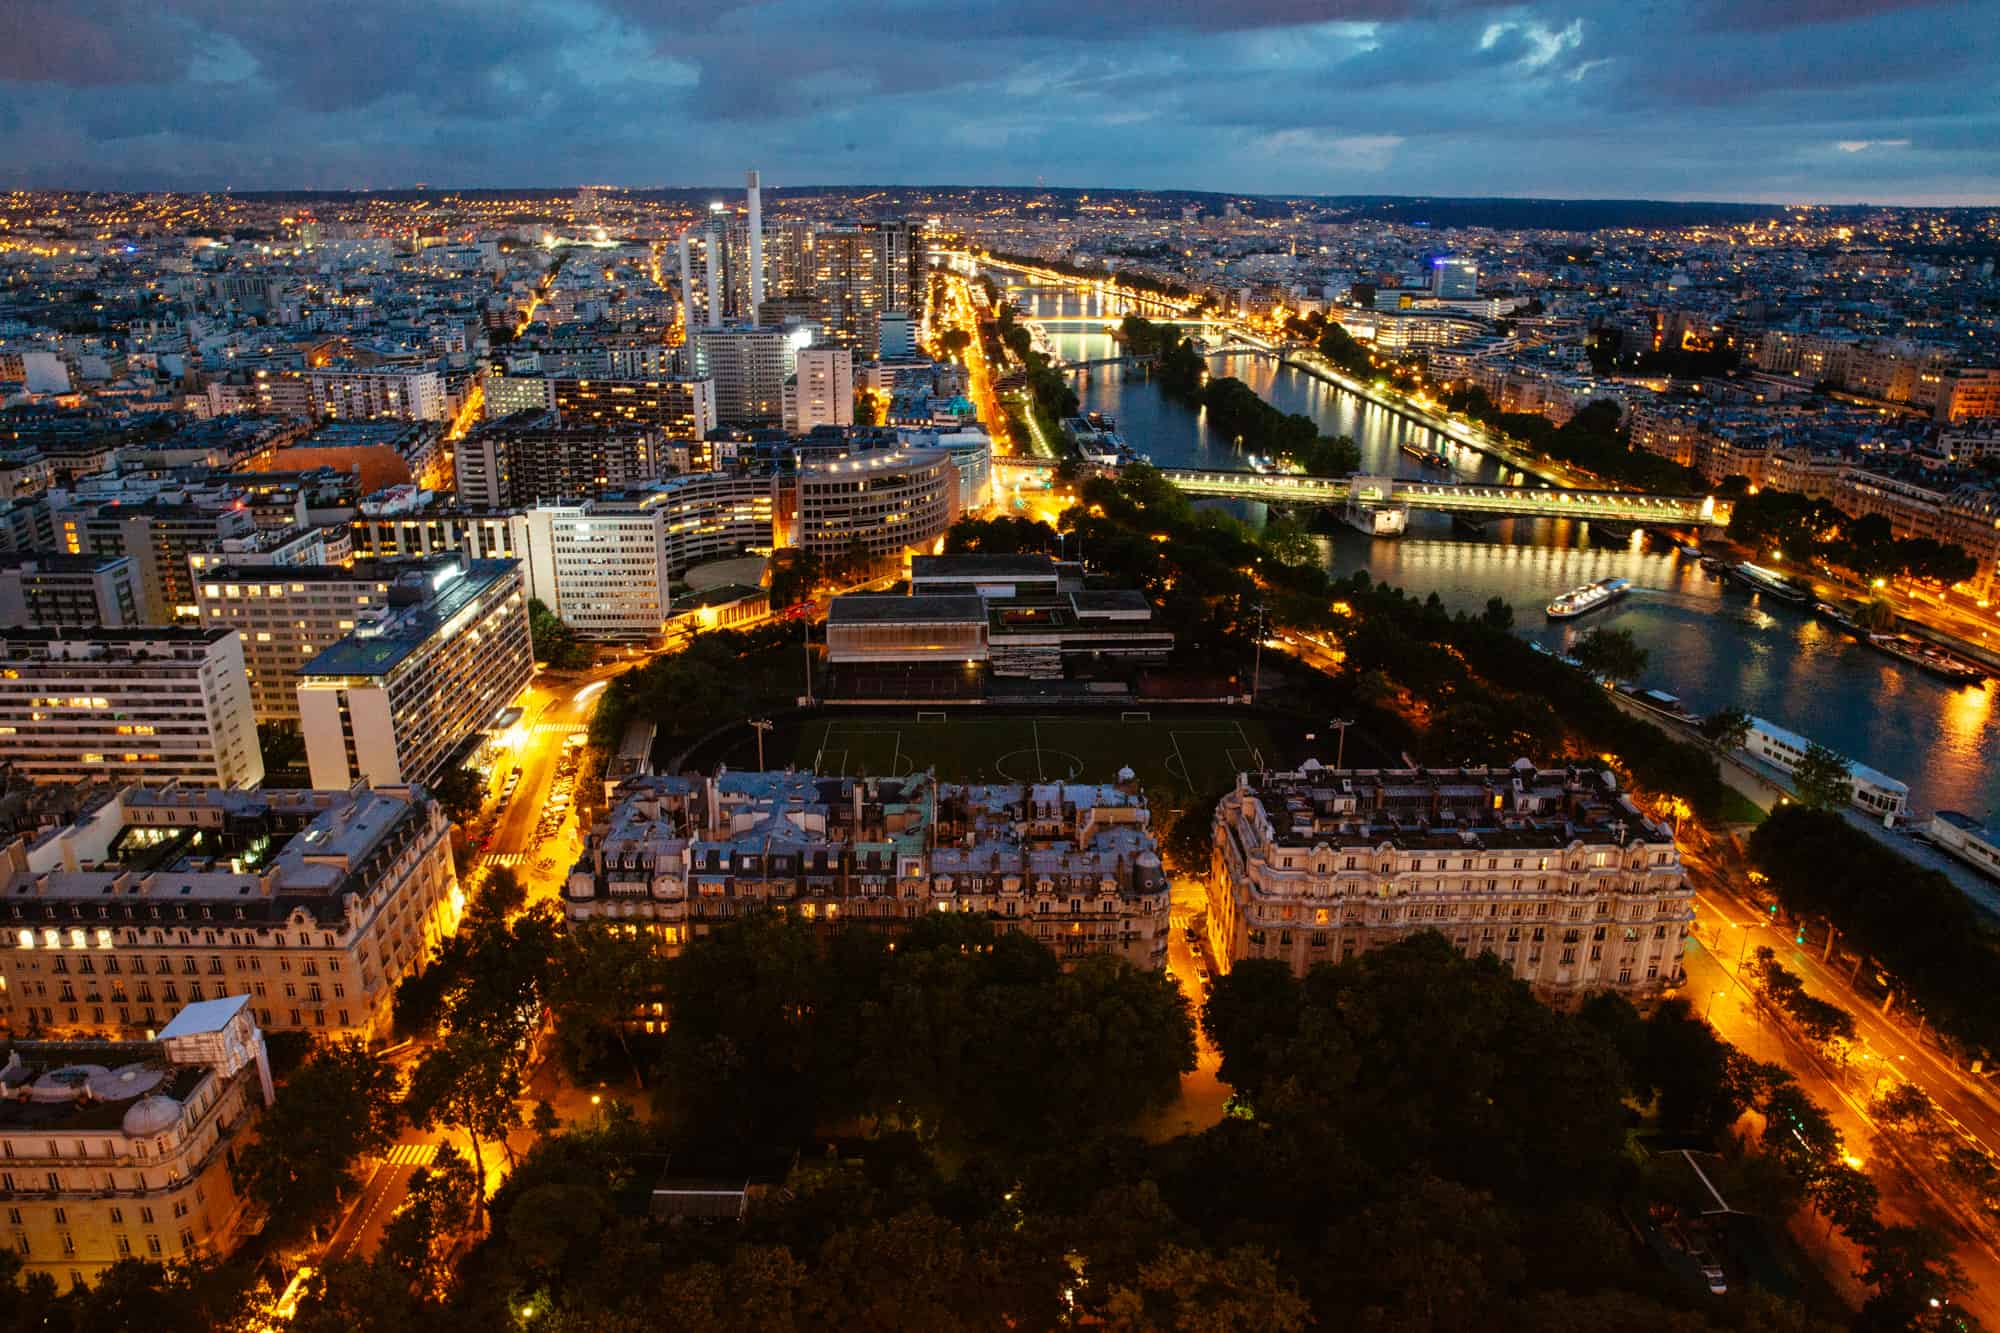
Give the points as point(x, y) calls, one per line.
point(1711, 643)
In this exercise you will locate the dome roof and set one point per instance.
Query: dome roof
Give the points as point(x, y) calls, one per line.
point(152, 1115)
point(126, 1082)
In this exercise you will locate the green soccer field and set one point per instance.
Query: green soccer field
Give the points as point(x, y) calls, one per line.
point(1175, 757)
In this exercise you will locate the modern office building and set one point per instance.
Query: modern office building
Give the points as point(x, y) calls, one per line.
point(749, 367)
point(313, 904)
point(1071, 864)
point(896, 336)
point(680, 409)
point(1554, 871)
point(821, 391)
point(122, 1149)
point(974, 616)
point(408, 392)
point(881, 502)
point(287, 614)
point(50, 588)
point(146, 705)
point(1454, 279)
point(536, 458)
point(394, 700)
point(604, 565)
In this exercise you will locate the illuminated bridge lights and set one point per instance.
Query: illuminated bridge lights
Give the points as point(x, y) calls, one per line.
point(1522, 501)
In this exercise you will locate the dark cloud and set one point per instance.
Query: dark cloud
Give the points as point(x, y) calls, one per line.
point(1712, 98)
point(90, 43)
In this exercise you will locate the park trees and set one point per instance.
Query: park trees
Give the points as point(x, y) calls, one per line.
point(335, 1107)
point(1610, 652)
point(470, 1081)
point(555, 642)
point(601, 973)
point(1726, 729)
point(1821, 779)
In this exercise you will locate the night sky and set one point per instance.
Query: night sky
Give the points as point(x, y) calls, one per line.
point(1787, 100)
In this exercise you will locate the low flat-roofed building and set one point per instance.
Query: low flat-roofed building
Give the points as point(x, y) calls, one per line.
point(981, 575)
point(1553, 871)
point(121, 1149)
point(314, 904)
point(1010, 620)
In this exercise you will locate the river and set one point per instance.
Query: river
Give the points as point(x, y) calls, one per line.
point(1709, 642)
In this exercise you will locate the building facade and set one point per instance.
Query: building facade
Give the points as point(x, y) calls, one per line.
point(1554, 871)
point(52, 589)
point(131, 705)
point(749, 367)
point(313, 904)
point(286, 614)
point(406, 392)
point(1071, 864)
point(680, 409)
point(883, 502)
point(535, 458)
point(393, 700)
point(120, 1150)
point(822, 392)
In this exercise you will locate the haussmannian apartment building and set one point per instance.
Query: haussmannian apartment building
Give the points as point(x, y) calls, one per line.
point(314, 904)
point(1073, 864)
point(113, 1150)
point(393, 701)
point(149, 705)
point(1554, 871)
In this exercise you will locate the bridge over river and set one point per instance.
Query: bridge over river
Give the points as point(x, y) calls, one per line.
point(1705, 511)
point(1456, 498)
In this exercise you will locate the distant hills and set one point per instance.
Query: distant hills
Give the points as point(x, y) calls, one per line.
point(1581, 215)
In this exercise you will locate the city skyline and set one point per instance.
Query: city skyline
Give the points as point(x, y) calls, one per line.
point(1862, 101)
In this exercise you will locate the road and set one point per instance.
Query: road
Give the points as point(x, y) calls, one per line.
point(1203, 1093)
point(1729, 929)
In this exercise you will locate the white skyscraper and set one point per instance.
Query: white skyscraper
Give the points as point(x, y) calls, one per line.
point(822, 392)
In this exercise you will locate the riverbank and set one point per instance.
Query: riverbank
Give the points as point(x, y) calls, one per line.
point(1765, 787)
point(1317, 366)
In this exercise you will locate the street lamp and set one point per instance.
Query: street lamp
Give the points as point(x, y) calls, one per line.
point(760, 725)
point(1340, 724)
point(1713, 996)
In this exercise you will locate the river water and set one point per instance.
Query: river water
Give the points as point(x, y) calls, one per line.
point(1709, 642)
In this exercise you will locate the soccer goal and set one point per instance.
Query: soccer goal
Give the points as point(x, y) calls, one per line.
point(923, 716)
point(1135, 717)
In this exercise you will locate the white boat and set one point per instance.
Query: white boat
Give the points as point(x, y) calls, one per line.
point(1591, 596)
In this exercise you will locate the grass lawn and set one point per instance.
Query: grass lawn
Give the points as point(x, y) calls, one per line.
point(1740, 809)
point(1176, 757)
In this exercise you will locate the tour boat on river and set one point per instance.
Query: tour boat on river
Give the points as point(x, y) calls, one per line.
point(1577, 601)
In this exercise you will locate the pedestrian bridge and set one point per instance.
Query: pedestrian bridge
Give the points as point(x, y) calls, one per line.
point(1452, 497)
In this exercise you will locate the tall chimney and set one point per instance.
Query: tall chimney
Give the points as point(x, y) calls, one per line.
point(756, 190)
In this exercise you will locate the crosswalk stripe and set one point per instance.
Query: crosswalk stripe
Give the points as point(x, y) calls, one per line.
point(412, 1154)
